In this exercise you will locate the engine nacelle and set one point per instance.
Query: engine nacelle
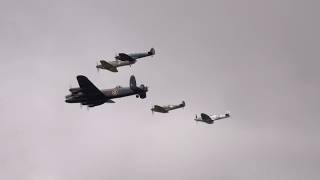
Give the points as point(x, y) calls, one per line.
point(75, 90)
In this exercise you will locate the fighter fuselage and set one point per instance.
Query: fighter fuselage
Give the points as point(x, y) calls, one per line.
point(117, 63)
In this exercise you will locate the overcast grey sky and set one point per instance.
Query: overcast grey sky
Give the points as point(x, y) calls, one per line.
point(257, 58)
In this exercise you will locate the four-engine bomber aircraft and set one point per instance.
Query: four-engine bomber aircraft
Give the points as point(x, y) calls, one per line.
point(123, 59)
point(166, 109)
point(88, 94)
point(210, 119)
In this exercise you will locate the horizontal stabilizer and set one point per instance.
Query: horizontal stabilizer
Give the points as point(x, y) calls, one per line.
point(143, 95)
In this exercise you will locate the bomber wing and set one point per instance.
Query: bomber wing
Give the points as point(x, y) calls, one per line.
point(88, 87)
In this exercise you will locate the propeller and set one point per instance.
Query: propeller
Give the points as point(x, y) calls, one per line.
point(97, 67)
point(116, 55)
point(196, 119)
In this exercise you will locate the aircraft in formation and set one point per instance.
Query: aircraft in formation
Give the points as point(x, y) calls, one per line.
point(123, 59)
point(88, 94)
point(210, 119)
point(166, 109)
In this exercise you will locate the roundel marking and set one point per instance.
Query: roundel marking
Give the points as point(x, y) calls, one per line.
point(114, 92)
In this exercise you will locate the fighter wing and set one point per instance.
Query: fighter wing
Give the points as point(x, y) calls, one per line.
point(222, 116)
point(139, 55)
point(205, 117)
point(151, 52)
point(183, 104)
point(159, 108)
point(173, 107)
point(108, 66)
point(124, 57)
point(88, 88)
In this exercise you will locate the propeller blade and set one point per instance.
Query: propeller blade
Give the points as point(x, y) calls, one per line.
point(97, 67)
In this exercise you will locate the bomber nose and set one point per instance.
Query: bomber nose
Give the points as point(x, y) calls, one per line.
point(69, 98)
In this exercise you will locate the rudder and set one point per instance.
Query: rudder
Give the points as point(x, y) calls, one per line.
point(152, 51)
point(133, 83)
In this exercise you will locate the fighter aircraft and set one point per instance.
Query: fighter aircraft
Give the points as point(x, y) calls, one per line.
point(123, 59)
point(210, 119)
point(166, 109)
point(88, 94)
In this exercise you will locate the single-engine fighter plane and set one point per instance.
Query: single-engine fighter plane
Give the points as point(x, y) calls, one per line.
point(123, 59)
point(166, 109)
point(210, 119)
point(88, 94)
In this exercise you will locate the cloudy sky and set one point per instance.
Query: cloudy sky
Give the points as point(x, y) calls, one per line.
point(257, 58)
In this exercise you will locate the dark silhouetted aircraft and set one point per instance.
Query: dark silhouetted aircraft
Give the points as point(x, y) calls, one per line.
point(123, 59)
point(166, 109)
point(88, 94)
point(210, 119)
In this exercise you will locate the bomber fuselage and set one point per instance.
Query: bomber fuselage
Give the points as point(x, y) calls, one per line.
point(78, 96)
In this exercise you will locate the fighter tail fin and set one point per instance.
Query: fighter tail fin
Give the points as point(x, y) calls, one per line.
point(183, 104)
point(152, 52)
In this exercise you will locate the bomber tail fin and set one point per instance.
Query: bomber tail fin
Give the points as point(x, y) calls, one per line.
point(133, 83)
point(141, 90)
